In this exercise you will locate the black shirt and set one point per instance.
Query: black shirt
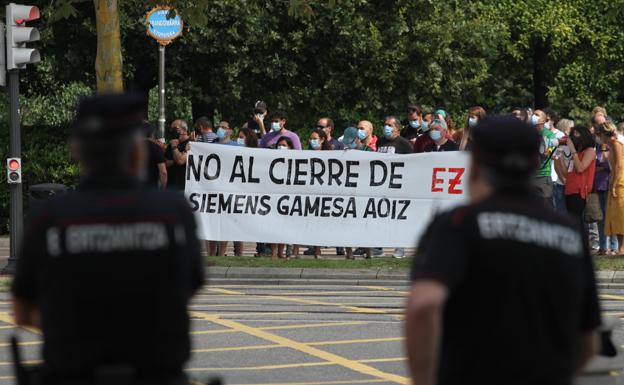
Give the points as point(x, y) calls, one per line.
point(398, 145)
point(521, 291)
point(409, 132)
point(111, 269)
point(176, 177)
point(155, 156)
point(449, 145)
point(338, 145)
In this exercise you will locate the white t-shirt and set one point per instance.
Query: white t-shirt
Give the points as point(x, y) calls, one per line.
point(553, 174)
point(564, 153)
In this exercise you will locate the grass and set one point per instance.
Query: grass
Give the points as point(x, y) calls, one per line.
point(609, 263)
point(389, 263)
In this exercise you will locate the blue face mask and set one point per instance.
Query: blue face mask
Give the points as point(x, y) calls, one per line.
point(275, 126)
point(388, 131)
point(535, 120)
point(362, 134)
point(547, 125)
point(314, 143)
point(221, 133)
point(241, 141)
point(414, 123)
point(425, 126)
point(472, 122)
point(435, 135)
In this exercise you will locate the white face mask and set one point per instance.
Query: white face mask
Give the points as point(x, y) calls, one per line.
point(282, 147)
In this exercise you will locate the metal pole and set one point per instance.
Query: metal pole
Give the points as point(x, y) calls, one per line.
point(161, 92)
point(15, 151)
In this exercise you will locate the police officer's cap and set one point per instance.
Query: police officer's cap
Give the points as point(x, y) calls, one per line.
point(507, 145)
point(109, 115)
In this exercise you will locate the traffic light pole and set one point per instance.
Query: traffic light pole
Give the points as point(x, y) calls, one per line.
point(15, 151)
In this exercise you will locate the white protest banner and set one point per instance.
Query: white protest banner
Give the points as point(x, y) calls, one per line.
point(323, 198)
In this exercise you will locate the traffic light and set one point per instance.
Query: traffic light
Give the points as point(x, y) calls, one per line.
point(14, 170)
point(18, 35)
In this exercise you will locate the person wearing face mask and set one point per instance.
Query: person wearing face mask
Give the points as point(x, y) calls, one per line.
point(247, 138)
point(543, 179)
point(439, 139)
point(318, 141)
point(224, 134)
point(278, 129)
point(392, 142)
point(175, 156)
point(580, 173)
point(424, 139)
point(259, 122)
point(366, 136)
point(463, 136)
point(414, 123)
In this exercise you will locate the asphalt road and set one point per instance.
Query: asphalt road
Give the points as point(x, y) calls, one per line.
point(296, 335)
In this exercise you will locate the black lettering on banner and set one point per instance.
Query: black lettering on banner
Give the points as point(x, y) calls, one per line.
point(383, 212)
point(312, 206)
point(266, 207)
point(238, 170)
point(296, 206)
point(272, 166)
point(325, 206)
point(393, 176)
point(196, 169)
point(337, 207)
point(252, 205)
point(350, 210)
point(195, 204)
point(313, 174)
point(405, 204)
point(282, 210)
point(203, 205)
point(239, 202)
point(210, 206)
point(225, 204)
point(251, 167)
point(335, 175)
point(289, 174)
point(206, 168)
point(373, 165)
point(299, 172)
point(370, 208)
point(351, 174)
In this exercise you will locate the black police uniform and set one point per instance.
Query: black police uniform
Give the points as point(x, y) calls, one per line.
point(521, 290)
point(111, 267)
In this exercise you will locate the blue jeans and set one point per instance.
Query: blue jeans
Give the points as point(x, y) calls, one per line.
point(604, 239)
point(559, 198)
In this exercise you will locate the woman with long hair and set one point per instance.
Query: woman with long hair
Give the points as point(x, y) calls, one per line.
point(580, 172)
point(475, 115)
point(614, 221)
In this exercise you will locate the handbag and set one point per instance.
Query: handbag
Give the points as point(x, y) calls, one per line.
point(593, 211)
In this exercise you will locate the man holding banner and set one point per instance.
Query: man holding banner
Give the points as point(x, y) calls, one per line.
point(505, 269)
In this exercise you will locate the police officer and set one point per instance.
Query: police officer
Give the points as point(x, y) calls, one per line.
point(107, 271)
point(503, 289)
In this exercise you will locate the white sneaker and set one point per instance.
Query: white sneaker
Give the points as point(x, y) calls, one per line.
point(399, 252)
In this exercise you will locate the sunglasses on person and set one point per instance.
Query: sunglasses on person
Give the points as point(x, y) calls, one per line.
point(321, 127)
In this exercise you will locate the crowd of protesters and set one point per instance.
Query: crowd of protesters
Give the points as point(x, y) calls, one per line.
point(580, 162)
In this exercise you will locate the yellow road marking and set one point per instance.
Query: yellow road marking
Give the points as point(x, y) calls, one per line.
point(332, 359)
point(323, 382)
point(297, 293)
point(7, 378)
point(347, 342)
point(321, 343)
point(28, 362)
point(7, 327)
point(306, 364)
point(614, 314)
point(7, 318)
point(223, 291)
point(286, 327)
point(217, 305)
point(27, 343)
point(611, 296)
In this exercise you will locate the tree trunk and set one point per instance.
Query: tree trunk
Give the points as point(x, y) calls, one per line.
point(108, 62)
point(540, 74)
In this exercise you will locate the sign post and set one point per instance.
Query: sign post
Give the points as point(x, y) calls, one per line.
point(164, 25)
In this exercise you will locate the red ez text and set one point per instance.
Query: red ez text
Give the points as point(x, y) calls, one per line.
point(453, 179)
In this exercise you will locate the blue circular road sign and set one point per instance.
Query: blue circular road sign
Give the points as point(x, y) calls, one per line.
point(161, 28)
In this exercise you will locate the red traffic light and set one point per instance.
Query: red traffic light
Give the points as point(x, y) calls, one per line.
point(32, 13)
point(14, 165)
